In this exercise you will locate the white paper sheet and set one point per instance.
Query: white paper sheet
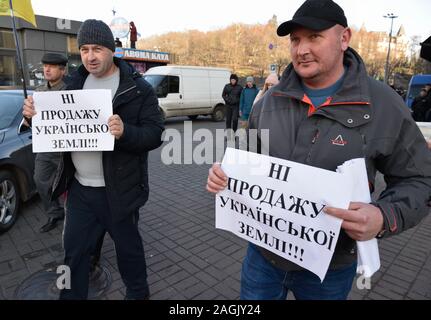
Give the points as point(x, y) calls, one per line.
point(368, 251)
point(296, 228)
point(72, 121)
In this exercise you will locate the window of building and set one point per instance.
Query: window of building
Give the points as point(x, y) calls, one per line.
point(8, 70)
point(72, 45)
point(6, 39)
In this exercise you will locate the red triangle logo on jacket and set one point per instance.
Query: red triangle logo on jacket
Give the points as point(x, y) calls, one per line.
point(339, 141)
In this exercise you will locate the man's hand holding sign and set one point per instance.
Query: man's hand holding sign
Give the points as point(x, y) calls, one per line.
point(277, 208)
point(362, 221)
point(116, 126)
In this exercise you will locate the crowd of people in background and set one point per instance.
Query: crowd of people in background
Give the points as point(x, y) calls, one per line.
point(240, 100)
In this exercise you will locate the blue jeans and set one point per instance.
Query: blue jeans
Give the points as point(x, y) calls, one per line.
point(260, 280)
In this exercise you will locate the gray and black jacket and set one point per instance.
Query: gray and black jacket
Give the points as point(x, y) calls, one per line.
point(364, 119)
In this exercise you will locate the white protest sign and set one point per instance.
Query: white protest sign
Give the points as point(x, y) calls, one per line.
point(278, 205)
point(72, 121)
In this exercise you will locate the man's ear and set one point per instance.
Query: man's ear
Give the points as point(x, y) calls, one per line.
point(346, 35)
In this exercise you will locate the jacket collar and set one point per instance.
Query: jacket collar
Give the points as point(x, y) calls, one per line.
point(59, 86)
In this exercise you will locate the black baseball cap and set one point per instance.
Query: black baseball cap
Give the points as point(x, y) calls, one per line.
point(315, 15)
point(54, 59)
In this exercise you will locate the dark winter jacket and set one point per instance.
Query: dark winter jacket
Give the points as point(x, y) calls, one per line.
point(372, 122)
point(246, 101)
point(232, 94)
point(125, 168)
point(420, 107)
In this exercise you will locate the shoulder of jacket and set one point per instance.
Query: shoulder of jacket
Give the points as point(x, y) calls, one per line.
point(42, 87)
point(385, 99)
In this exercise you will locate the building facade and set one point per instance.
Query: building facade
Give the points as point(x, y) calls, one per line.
point(53, 35)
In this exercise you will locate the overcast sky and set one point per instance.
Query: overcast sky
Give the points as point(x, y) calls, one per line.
point(157, 17)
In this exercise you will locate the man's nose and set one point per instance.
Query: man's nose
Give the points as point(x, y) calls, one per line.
point(91, 55)
point(303, 48)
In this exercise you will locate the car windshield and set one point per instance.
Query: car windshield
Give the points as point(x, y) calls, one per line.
point(155, 80)
point(159, 84)
point(10, 105)
point(415, 90)
point(164, 85)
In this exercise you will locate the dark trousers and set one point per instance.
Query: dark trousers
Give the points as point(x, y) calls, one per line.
point(45, 168)
point(232, 113)
point(88, 217)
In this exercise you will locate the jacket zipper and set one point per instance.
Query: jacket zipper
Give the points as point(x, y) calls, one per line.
point(121, 93)
point(313, 142)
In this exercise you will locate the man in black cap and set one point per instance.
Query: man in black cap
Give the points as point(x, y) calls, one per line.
point(107, 189)
point(54, 69)
point(231, 95)
point(325, 111)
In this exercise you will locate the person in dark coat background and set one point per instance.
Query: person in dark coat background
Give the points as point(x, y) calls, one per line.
point(133, 35)
point(421, 105)
point(231, 96)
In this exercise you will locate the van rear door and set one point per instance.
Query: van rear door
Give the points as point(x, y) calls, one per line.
point(218, 79)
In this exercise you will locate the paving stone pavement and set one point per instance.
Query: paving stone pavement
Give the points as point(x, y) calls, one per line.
point(187, 257)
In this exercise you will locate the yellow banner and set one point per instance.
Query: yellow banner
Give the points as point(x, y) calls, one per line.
point(21, 8)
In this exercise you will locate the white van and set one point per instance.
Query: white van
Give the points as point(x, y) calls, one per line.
point(189, 91)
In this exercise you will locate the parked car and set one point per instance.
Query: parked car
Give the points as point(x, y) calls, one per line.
point(16, 158)
point(189, 91)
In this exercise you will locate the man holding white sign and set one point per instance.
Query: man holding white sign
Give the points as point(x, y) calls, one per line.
point(325, 111)
point(105, 188)
point(270, 202)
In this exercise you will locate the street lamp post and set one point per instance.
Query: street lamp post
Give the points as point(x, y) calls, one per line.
point(392, 17)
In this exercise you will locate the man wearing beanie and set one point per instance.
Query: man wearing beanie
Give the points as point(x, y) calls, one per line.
point(325, 111)
point(231, 96)
point(107, 189)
